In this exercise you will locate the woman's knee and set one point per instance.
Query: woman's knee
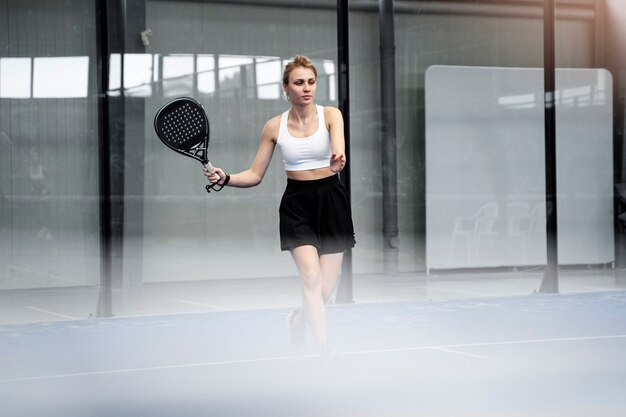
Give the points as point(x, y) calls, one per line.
point(327, 290)
point(312, 279)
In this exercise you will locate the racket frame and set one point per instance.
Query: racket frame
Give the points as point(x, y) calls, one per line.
point(197, 151)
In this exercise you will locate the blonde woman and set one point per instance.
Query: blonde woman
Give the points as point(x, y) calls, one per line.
point(315, 218)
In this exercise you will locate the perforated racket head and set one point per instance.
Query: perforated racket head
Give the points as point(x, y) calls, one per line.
point(183, 126)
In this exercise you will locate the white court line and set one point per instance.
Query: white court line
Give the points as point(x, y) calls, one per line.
point(151, 368)
point(482, 344)
point(195, 303)
point(473, 356)
point(52, 313)
point(281, 358)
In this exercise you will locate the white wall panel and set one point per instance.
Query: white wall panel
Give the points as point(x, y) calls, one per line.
point(485, 167)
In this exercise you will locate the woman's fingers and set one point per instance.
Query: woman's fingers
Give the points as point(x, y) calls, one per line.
point(214, 174)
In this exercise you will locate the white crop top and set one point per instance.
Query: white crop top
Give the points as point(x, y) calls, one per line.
point(311, 152)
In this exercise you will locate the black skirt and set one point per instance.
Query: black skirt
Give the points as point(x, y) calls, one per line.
point(316, 213)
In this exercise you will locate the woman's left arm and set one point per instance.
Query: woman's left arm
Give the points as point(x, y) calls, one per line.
point(334, 120)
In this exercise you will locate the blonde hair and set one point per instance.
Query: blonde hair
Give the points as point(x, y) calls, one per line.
point(299, 61)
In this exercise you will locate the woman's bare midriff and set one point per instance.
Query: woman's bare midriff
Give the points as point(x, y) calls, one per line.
point(311, 174)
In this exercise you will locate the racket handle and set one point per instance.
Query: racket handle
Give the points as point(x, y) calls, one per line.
point(212, 186)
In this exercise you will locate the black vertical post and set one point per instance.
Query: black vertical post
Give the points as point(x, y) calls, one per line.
point(388, 136)
point(105, 299)
point(344, 291)
point(550, 282)
point(111, 22)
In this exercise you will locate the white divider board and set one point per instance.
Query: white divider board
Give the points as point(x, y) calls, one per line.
point(485, 167)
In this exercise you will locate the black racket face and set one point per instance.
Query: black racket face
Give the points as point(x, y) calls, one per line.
point(183, 125)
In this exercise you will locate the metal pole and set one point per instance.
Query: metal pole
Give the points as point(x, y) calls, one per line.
point(344, 290)
point(550, 282)
point(105, 299)
point(388, 136)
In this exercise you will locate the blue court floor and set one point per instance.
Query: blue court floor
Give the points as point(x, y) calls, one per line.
point(498, 355)
point(51, 303)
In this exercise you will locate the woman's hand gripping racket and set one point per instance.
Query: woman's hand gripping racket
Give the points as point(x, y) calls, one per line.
point(183, 126)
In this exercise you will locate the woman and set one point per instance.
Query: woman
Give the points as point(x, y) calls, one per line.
point(315, 219)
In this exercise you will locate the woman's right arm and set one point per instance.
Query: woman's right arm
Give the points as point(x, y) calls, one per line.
point(253, 175)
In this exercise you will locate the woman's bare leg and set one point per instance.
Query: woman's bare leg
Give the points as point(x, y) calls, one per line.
point(312, 280)
point(331, 267)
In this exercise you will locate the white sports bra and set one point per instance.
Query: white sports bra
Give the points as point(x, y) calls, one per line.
point(311, 152)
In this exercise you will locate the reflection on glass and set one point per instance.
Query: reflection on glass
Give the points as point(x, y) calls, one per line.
point(177, 66)
point(138, 74)
point(189, 74)
point(331, 88)
point(231, 73)
point(230, 67)
point(269, 92)
point(155, 67)
point(60, 77)
point(15, 77)
point(329, 66)
point(329, 72)
point(115, 72)
point(520, 101)
point(206, 74)
point(268, 78)
point(178, 73)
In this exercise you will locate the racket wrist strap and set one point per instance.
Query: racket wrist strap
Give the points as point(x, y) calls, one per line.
point(226, 180)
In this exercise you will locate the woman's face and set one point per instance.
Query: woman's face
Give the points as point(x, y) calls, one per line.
point(302, 86)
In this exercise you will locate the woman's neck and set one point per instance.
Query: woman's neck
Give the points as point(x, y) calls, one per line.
point(303, 114)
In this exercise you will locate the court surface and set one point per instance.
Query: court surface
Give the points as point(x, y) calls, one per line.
point(534, 355)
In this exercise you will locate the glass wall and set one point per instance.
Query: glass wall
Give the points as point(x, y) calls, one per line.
point(470, 120)
point(230, 58)
point(611, 54)
point(469, 109)
point(49, 184)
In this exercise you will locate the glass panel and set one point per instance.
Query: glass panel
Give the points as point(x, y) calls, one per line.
point(589, 137)
point(432, 38)
point(239, 52)
point(613, 53)
point(469, 132)
point(470, 140)
point(49, 197)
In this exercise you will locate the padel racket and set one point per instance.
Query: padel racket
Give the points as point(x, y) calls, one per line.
point(183, 126)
